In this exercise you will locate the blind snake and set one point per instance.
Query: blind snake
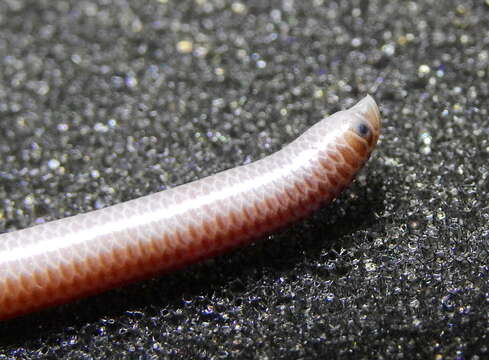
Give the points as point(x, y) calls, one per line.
point(62, 260)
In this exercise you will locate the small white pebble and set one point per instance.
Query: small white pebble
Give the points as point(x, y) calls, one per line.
point(389, 49)
point(261, 64)
point(53, 164)
point(423, 70)
point(238, 7)
point(356, 42)
point(63, 127)
point(185, 47)
point(102, 128)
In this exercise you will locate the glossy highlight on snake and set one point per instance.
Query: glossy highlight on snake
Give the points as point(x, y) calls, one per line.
point(66, 259)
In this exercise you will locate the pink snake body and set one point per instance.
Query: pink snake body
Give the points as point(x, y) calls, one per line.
point(88, 253)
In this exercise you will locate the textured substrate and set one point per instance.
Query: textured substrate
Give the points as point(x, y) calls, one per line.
point(104, 101)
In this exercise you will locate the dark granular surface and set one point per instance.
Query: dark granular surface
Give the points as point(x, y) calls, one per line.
point(105, 101)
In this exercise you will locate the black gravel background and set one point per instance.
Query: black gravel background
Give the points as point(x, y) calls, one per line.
point(104, 101)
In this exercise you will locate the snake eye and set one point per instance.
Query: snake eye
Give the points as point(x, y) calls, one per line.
point(363, 130)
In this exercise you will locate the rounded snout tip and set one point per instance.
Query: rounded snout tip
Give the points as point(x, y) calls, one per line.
point(368, 108)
